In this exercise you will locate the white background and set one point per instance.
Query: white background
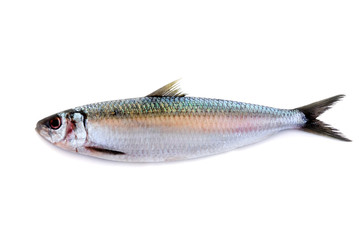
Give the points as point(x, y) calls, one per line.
point(55, 55)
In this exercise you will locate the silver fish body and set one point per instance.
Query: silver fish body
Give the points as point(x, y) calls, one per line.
point(165, 126)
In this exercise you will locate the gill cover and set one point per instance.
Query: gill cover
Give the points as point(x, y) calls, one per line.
point(76, 133)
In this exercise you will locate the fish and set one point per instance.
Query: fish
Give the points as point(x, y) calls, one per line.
point(168, 125)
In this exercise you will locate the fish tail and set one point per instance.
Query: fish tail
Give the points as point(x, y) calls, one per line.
point(313, 110)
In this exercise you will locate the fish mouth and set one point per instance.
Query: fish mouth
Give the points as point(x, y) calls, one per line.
point(41, 129)
point(38, 127)
point(41, 126)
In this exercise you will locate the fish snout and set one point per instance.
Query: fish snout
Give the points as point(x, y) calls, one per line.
point(38, 127)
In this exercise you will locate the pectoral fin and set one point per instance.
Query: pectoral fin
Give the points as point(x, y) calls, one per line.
point(105, 151)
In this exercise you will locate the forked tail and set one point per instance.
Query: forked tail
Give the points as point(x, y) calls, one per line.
point(312, 111)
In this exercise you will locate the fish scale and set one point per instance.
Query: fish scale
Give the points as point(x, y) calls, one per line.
point(162, 128)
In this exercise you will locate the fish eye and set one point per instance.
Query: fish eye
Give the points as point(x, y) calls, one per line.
point(55, 123)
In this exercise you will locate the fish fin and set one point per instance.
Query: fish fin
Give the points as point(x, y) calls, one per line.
point(313, 110)
point(169, 90)
point(103, 150)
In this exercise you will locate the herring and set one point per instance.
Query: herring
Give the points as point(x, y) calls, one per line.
point(167, 125)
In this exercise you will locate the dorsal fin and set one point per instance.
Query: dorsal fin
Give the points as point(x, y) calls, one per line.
point(169, 90)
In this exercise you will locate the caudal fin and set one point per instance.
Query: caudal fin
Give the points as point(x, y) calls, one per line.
point(312, 111)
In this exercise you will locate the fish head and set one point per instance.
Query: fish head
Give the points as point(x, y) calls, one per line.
point(65, 129)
